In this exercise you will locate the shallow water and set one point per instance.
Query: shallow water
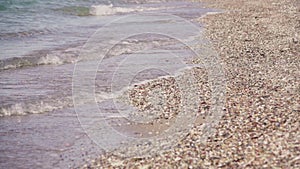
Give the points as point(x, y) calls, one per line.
point(40, 44)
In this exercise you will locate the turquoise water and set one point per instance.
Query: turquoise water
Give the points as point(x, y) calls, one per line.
point(21, 16)
point(31, 25)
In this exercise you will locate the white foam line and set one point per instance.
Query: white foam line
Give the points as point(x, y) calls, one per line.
point(102, 10)
point(103, 96)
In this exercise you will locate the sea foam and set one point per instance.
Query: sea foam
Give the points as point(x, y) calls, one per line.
point(101, 10)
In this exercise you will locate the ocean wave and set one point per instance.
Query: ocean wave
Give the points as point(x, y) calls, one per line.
point(24, 34)
point(36, 107)
point(42, 57)
point(102, 10)
point(75, 10)
point(49, 104)
point(133, 45)
point(71, 54)
point(29, 61)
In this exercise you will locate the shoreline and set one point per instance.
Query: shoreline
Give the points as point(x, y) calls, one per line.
point(259, 46)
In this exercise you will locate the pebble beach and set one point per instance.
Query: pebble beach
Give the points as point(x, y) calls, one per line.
point(258, 43)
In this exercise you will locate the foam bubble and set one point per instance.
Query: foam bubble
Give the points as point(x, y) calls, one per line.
point(101, 10)
point(49, 59)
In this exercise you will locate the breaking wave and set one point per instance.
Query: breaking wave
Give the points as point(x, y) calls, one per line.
point(71, 54)
point(37, 58)
point(102, 10)
point(24, 34)
point(36, 107)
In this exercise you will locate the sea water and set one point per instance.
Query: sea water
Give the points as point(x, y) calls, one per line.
point(40, 43)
